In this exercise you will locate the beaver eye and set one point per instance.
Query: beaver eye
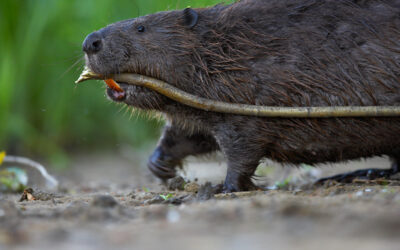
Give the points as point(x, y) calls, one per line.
point(140, 28)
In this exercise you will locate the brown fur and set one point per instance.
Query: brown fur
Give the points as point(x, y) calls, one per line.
point(275, 53)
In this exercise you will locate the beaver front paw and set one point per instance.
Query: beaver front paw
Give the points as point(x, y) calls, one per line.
point(162, 165)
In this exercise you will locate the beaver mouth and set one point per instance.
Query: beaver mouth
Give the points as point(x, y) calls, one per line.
point(127, 90)
point(117, 91)
point(117, 95)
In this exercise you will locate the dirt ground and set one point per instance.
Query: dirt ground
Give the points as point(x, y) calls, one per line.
point(104, 202)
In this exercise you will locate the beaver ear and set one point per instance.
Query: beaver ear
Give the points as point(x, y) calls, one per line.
point(190, 17)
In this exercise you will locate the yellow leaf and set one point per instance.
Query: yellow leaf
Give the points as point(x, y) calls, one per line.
point(2, 155)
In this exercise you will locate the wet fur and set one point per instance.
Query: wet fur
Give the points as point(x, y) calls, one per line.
point(275, 53)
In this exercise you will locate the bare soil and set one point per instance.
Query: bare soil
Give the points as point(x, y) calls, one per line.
point(105, 203)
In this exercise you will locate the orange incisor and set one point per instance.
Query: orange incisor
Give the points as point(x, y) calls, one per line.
point(113, 85)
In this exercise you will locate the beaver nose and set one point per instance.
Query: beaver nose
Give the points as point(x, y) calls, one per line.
point(93, 43)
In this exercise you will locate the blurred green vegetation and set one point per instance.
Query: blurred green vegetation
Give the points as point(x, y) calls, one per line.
point(42, 112)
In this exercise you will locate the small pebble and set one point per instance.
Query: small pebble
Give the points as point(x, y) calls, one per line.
point(176, 183)
point(207, 191)
point(192, 187)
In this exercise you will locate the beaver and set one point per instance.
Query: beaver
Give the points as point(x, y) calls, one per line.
point(279, 53)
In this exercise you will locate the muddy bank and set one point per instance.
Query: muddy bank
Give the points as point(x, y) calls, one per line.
point(128, 215)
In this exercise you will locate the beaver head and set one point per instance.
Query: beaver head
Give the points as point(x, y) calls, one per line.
point(212, 53)
point(152, 45)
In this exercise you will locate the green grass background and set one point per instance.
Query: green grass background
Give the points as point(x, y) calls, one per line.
point(42, 112)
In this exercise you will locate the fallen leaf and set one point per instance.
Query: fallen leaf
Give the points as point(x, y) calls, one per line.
point(27, 195)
